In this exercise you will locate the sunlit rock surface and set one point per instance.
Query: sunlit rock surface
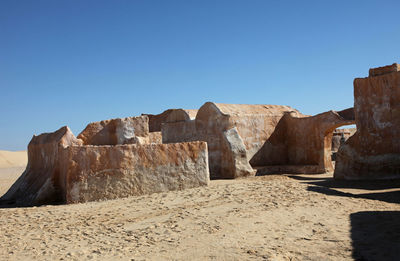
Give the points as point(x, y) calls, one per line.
point(373, 152)
point(109, 172)
point(301, 143)
point(234, 133)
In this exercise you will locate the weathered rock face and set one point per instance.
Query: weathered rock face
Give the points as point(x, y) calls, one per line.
point(129, 130)
point(340, 136)
point(176, 115)
point(155, 137)
point(301, 144)
point(108, 172)
point(63, 170)
point(42, 183)
point(373, 152)
point(171, 115)
point(234, 133)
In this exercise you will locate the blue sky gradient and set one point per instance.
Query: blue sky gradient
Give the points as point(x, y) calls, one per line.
point(74, 62)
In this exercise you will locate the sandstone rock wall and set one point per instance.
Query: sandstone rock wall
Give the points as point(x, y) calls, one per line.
point(339, 136)
point(373, 152)
point(63, 170)
point(234, 133)
point(171, 115)
point(129, 130)
point(108, 172)
point(155, 137)
point(41, 182)
point(301, 144)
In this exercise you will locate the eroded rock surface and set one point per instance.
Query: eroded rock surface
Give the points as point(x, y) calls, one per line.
point(129, 130)
point(373, 152)
point(301, 143)
point(233, 132)
point(108, 172)
point(61, 169)
point(170, 115)
point(339, 137)
point(41, 182)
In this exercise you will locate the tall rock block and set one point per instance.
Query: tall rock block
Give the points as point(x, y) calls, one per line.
point(373, 152)
point(42, 182)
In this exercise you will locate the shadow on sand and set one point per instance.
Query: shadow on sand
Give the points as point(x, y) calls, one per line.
point(375, 235)
point(13, 204)
point(330, 186)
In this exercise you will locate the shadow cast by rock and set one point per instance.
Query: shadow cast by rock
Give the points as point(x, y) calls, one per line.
point(330, 186)
point(375, 235)
point(355, 184)
point(389, 196)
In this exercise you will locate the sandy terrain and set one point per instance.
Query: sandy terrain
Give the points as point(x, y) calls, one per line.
point(9, 159)
point(8, 176)
point(271, 217)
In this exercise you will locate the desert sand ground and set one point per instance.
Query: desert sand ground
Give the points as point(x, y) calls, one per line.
point(285, 217)
point(10, 159)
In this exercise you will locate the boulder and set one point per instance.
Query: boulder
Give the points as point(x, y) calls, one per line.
point(373, 152)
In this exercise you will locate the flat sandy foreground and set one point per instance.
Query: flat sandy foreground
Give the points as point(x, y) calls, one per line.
point(307, 217)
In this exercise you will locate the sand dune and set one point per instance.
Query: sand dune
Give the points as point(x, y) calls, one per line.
point(9, 159)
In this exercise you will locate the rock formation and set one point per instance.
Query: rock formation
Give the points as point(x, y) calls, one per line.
point(233, 132)
point(171, 115)
point(41, 182)
point(64, 169)
point(373, 152)
point(338, 138)
point(125, 156)
point(129, 130)
point(301, 143)
point(109, 172)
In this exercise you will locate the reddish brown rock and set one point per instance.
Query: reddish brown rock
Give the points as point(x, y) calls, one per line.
point(181, 115)
point(108, 172)
point(340, 136)
point(129, 130)
point(63, 170)
point(171, 115)
point(154, 137)
point(373, 152)
point(41, 182)
point(301, 144)
point(384, 70)
point(234, 133)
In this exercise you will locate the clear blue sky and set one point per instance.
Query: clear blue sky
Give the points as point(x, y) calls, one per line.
point(73, 62)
